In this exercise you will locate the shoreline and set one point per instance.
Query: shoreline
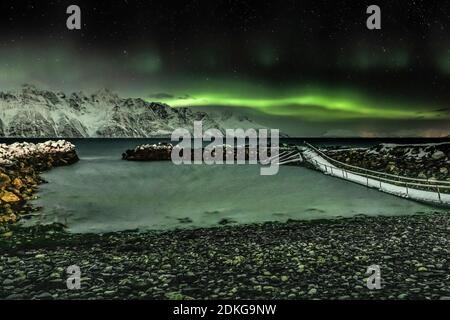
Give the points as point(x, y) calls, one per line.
point(21, 165)
point(321, 259)
point(309, 259)
point(421, 161)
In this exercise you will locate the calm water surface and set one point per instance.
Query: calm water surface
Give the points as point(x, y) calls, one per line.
point(103, 193)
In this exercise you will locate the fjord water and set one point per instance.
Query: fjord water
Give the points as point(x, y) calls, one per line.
point(103, 193)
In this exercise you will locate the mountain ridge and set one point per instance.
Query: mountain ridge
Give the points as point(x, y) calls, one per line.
point(38, 113)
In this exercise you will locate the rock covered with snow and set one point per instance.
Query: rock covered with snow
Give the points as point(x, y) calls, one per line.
point(20, 166)
point(21, 150)
point(163, 151)
point(424, 161)
point(437, 155)
point(432, 191)
point(149, 152)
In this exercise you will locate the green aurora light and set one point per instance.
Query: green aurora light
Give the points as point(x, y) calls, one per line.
point(311, 105)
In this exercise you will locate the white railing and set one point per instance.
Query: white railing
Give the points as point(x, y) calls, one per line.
point(406, 182)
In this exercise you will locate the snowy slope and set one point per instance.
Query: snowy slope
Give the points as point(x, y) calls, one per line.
point(32, 112)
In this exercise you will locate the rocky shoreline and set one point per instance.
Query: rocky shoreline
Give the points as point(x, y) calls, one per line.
point(319, 259)
point(292, 260)
point(20, 165)
point(423, 161)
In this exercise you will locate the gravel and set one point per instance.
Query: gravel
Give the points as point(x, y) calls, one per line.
point(322, 259)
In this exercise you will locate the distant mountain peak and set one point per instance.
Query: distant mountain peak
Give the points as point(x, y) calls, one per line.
point(34, 112)
point(105, 92)
point(28, 86)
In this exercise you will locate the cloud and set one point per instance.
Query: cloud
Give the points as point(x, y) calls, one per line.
point(342, 133)
point(186, 97)
point(161, 95)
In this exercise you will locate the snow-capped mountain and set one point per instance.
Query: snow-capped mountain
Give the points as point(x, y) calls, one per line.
point(33, 112)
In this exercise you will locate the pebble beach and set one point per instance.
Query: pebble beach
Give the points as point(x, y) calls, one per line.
point(318, 259)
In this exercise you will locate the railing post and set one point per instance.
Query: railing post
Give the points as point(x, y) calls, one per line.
point(389, 179)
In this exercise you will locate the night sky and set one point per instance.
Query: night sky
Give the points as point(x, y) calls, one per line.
point(311, 68)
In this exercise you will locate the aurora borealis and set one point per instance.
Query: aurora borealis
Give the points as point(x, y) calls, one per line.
point(315, 106)
point(308, 67)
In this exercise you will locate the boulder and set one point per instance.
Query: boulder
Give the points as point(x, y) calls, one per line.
point(4, 180)
point(17, 183)
point(9, 197)
point(437, 155)
point(421, 175)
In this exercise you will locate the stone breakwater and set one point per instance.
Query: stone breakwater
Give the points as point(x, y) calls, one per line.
point(292, 260)
point(424, 161)
point(20, 165)
point(162, 151)
point(149, 152)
